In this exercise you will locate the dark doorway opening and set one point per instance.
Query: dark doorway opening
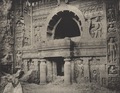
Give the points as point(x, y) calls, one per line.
point(60, 66)
point(67, 27)
point(64, 24)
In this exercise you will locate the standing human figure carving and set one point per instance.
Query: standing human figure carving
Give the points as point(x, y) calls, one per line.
point(96, 27)
point(112, 48)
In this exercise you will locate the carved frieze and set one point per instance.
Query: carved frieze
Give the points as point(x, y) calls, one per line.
point(94, 16)
point(112, 44)
point(111, 15)
point(91, 9)
point(112, 36)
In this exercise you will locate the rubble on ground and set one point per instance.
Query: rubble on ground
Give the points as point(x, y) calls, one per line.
point(31, 77)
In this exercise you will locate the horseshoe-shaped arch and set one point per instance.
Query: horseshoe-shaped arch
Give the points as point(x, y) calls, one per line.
point(79, 18)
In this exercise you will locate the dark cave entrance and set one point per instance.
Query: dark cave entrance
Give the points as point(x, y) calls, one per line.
point(64, 24)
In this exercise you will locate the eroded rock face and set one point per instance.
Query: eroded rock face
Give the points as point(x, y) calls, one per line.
point(31, 77)
point(6, 32)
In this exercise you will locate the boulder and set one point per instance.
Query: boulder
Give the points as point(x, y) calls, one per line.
point(30, 77)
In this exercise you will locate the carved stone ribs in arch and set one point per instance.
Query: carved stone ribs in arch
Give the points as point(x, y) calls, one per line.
point(71, 25)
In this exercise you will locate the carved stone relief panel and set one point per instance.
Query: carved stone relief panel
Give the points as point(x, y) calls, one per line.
point(111, 14)
point(96, 30)
point(113, 69)
point(20, 30)
point(113, 60)
point(112, 50)
point(39, 19)
point(90, 69)
point(111, 11)
point(112, 44)
point(19, 58)
point(94, 15)
point(94, 69)
point(79, 70)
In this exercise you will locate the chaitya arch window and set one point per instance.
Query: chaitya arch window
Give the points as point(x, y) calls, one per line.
point(64, 24)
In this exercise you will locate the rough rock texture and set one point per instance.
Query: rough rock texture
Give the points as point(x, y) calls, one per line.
point(31, 77)
point(6, 32)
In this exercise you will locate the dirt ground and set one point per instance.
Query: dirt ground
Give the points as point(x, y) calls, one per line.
point(61, 88)
point(58, 86)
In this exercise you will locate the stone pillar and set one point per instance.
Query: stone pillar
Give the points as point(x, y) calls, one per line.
point(86, 69)
point(67, 71)
point(43, 71)
point(25, 65)
point(49, 71)
point(54, 70)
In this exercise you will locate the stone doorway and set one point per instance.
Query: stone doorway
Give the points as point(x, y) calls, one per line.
point(58, 66)
point(55, 68)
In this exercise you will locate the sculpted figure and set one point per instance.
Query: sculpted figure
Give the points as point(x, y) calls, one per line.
point(111, 15)
point(81, 67)
point(112, 70)
point(112, 48)
point(36, 33)
point(94, 75)
point(18, 57)
point(111, 28)
point(96, 28)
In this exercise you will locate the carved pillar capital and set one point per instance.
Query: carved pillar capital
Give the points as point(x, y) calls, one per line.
point(67, 59)
point(43, 60)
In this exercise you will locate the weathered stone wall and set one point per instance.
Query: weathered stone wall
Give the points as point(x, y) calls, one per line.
point(93, 13)
point(91, 69)
point(6, 34)
point(97, 49)
point(112, 43)
point(93, 28)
